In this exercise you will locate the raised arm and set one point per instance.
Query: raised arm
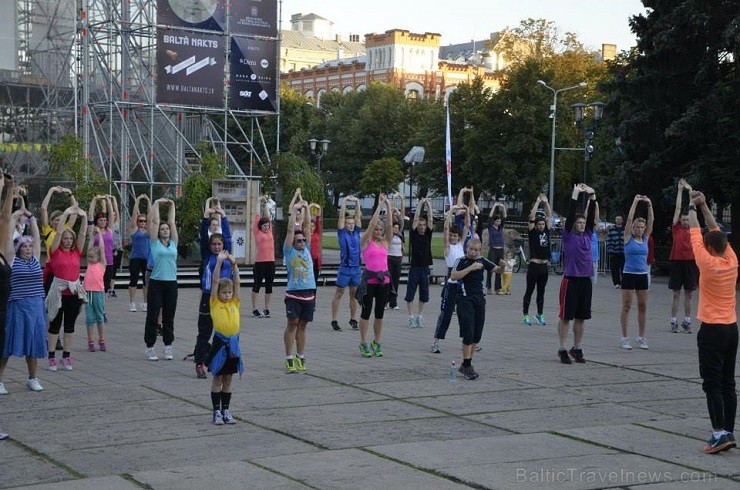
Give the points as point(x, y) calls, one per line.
point(306, 220)
point(91, 208)
point(60, 228)
point(630, 218)
point(35, 234)
point(342, 212)
point(533, 212)
point(570, 216)
point(45, 205)
point(83, 228)
point(114, 216)
point(153, 219)
point(292, 211)
point(6, 231)
point(650, 216)
point(101, 244)
point(417, 214)
point(171, 221)
point(368, 233)
point(679, 199)
point(701, 202)
point(358, 214)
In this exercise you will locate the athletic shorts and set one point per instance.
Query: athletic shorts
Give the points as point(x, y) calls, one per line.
point(635, 282)
point(303, 310)
point(684, 274)
point(349, 276)
point(575, 298)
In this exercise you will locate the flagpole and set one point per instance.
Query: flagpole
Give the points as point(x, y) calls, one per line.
point(448, 156)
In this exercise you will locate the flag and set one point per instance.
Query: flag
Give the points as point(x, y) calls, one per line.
point(448, 156)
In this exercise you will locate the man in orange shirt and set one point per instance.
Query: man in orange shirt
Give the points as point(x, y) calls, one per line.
point(717, 339)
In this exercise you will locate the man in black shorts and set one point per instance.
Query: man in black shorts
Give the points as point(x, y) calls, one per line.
point(684, 272)
point(576, 287)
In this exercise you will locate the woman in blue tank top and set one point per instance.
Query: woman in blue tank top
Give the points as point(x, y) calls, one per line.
point(636, 271)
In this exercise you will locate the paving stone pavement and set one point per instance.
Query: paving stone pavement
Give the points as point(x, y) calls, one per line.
point(625, 419)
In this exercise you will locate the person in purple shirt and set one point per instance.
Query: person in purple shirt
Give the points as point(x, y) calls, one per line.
point(576, 287)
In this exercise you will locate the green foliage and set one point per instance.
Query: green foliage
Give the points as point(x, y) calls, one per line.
point(195, 190)
point(292, 172)
point(677, 102)
point(68, 165)
point(381, 175)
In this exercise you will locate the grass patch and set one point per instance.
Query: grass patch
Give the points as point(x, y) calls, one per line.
point(329, 242)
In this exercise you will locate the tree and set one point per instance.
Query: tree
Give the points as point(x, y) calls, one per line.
point(677, 99)
point(292, 172)
point(535, 39)
point(67, 164)
point(196, 188)
point(381, 175)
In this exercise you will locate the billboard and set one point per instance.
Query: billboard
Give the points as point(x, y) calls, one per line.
point(254, 18)
point(253, 75)
point(192, 14)
point(190, 68)
point(8, 36)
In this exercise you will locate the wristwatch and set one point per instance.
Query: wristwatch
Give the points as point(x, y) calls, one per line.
point(692, 207)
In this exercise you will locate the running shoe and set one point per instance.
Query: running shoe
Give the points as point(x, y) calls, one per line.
point(419, 321)
point(256, 313)
point(289, 366)
point(3, 390)
point(435, 347)
point(168, 352)
point(132, 306)
point(266, 313)
point(527, 320)
point(218, 418)
point(52, 364)
point(686, 326)
point(377, 349)
point(150, 354)
point(577, 355)
point(731, 437)
point(300, 364)
point(353, 324)
point(91, 346)
point(412, 321)
point(564, 358)
point(674, 327)
point(143, 307)
point(624, 343)
point(719, 444)
point(67, 363)
point(200, 371)
point(540, 319)
point(467, 372)
point(365, 350)
point(642, 343)
point(228, 418)
point(103, 346)
point(33, 384)
point(335, 326)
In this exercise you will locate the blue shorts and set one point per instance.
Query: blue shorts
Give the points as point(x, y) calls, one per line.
point(349, 276)
point(418, 278)
point(303, 310)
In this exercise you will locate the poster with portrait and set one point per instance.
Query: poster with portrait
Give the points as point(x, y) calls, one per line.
point(190, 68)
point(194, 14)
point(253, 75)
point(254, 18)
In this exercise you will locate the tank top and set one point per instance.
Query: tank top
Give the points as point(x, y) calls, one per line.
point(396, 247)
point(25, 279)
point(108, 240)
point(376, 259)
point(139, 245)
point(635, 256)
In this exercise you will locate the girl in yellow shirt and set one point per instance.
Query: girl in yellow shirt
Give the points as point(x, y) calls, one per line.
point(225, 357)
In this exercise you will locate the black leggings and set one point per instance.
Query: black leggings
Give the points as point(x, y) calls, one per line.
point(616, 263)
point(494, 255)
point(394, 269)
point(379, 293)
point(110, 273)
point(263, 271)
point(68, 312)
point(205, 329)
point(537, 275)
point(136, 267)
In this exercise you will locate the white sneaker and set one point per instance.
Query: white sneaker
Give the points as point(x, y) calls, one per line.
point(624, 342)
point(168, 352)
point(641, 343)
point(132, 306)
point(150, 354)
point(412, 321)
point(33, 384)
point(3, 391)
point(419, 321)
point(143, 307)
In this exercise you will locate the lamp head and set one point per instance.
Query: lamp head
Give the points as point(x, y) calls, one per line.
point(312, 143)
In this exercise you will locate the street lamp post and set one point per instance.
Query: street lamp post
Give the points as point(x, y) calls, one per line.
point(554, 109)
point(588, 132)
point(318, 150)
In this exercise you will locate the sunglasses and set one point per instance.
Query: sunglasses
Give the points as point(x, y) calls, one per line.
point(142, 221)
point(300, 240)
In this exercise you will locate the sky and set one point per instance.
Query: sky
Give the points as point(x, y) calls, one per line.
point(594, 22)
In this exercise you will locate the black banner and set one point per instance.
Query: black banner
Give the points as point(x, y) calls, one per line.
point(254, 18)
point(253, 75)
point(190, 68)
point(197, 14)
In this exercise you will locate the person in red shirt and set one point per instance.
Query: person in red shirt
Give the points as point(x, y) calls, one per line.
point(717, 338)
point(684, 273)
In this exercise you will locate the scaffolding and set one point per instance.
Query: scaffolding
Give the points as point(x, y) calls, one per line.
point(88, 67)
